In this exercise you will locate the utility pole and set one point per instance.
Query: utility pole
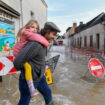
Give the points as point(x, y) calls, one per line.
point(21, 9)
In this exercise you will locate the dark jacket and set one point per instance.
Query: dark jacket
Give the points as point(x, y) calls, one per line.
point(34, 53)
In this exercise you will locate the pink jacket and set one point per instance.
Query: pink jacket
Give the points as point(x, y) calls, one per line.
point(26, 37)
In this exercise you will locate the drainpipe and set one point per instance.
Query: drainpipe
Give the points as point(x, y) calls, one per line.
point(104, 35)
point(103, 23)
point(21, 9)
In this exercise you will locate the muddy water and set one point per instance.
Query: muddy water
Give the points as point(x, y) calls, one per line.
point(69, 86)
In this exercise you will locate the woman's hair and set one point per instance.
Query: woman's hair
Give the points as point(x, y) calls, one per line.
point(27, 26)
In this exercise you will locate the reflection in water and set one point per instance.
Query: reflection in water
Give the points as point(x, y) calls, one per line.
point(70, 79)
point(69, 86)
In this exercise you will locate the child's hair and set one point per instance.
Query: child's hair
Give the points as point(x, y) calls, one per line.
point(27, 26)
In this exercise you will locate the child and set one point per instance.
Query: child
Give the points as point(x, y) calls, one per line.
point(25, 34)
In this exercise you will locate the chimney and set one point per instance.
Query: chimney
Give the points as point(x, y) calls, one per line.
point(74, 24)
point(81, 23)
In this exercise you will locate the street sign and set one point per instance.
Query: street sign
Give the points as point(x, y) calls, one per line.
point(48, 76)
point(52, 62)
point(96, 68)
point(6, 66)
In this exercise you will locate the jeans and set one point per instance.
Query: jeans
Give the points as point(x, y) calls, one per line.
point(41, 86)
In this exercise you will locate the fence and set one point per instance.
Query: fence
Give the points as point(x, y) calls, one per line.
point(86, 54)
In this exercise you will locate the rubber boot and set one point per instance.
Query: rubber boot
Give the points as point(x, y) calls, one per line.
point(50, 103)
point(32, 90)
point(0, 78)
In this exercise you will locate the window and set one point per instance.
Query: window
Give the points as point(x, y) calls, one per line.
point(32, 14)
point(85, 41)
point(80, 42)
point(98, 41)
point(75, 42)
point(91, 41)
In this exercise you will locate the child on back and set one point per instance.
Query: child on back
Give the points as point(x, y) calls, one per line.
point(25, 34)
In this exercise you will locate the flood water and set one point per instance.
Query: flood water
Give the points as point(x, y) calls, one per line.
point(70, 85)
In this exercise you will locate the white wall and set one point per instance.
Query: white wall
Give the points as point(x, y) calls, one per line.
point(38, 8)
point(15, 4)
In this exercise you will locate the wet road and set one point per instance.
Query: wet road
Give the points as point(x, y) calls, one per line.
point(69, 88)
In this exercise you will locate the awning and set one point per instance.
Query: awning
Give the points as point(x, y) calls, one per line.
point(8, 9)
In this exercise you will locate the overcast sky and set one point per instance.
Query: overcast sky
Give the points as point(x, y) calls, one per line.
point(65, 12)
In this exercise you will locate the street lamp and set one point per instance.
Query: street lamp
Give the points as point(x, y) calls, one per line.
point(21, 8)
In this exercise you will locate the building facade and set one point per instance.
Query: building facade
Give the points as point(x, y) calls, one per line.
point(90, 35)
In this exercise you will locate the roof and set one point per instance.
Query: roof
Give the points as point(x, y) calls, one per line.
point(44, 3)
point(68, 29)
point(98, 19)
